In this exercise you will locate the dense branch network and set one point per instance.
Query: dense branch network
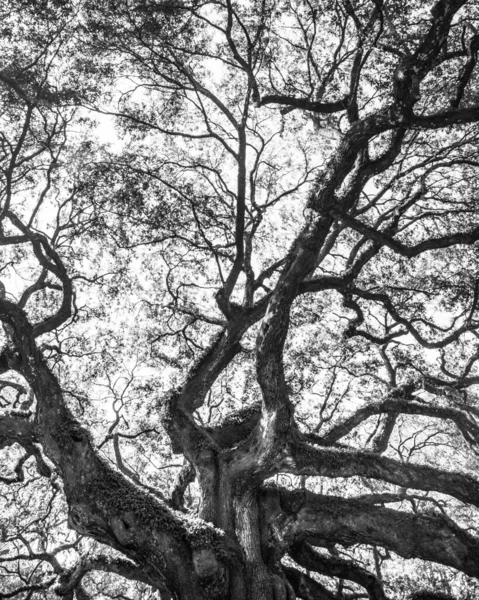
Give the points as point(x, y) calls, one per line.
point(383, 226)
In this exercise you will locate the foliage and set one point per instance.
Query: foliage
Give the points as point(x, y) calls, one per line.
point(239, 299)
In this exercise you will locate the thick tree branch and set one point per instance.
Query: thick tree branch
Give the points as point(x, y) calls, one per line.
point(306, 459)
point(458, 116)
point(305, 104)
point(102, 503)
point(323, 520)
point(446, 241)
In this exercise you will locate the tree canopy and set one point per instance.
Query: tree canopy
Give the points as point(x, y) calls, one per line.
point(239, 299)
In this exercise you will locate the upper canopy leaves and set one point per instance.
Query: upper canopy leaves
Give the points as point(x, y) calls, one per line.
point(275, 257)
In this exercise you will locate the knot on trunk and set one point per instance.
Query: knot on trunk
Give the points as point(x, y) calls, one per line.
point(211, 572)
point(205, 562)
point(209, 554)
point(124, 528)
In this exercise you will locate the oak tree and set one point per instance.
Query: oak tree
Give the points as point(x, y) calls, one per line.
point(239, 299)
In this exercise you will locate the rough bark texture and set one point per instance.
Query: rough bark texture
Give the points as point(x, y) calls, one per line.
point(236, 547)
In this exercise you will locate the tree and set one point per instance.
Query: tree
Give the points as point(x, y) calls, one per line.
point(288, 212)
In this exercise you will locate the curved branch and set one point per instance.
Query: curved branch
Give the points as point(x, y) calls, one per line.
point(51, 261)
point(333, 566)
point(385, 300)
point(72, 578)
point(323, 520)
point(182, 481)
point(306, 587)
point(446, 241)
point(405, 404)
point(102, 503)
point(306, 459)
